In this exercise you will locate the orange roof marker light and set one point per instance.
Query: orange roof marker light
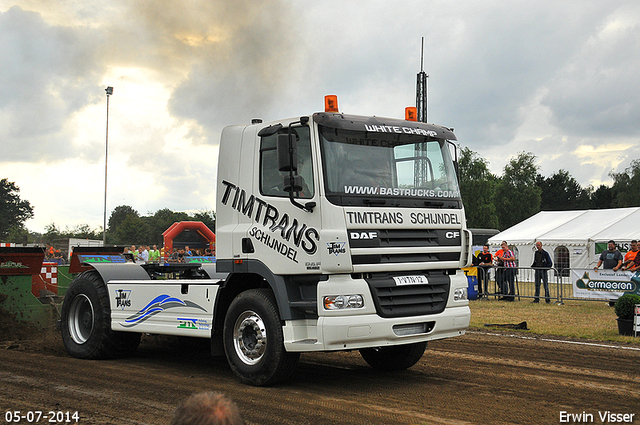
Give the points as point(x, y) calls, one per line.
point(331, 103)
point(411, 113)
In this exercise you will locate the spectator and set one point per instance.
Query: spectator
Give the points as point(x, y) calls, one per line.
point(509, 272)
point(630, 255)
point(154, 255)
point(485, 261)
point(207, 408)
point(187, 251)
point(49, 251)
point(134, 252)
point(174, 256)
point(611, 258)
point(498, 264)
point(541, 265)
point(143, 255)
point(635, 264)
point(127, 254)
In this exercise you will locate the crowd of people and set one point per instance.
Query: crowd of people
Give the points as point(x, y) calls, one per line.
point(147, 254)
point(143, 253)
point(54, 255)
point(612, 258)
point(504, 263)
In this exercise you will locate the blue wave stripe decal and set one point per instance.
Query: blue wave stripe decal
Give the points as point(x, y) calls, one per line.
point(157, 305)
point(159, 300)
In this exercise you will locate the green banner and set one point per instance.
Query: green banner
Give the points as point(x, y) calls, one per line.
point(623, 247)
point(604, 284)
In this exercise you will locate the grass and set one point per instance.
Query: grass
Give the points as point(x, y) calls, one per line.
point(589, 320)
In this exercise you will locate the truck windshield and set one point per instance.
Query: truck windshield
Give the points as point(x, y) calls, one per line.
point(393, 168)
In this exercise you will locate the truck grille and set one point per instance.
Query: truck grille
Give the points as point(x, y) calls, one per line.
point(411, 239)
point(392, 300)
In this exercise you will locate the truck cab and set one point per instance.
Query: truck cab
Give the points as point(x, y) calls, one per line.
point(360, 239)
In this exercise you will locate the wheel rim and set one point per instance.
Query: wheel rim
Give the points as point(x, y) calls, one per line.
point(81, 319)
point(250, 337)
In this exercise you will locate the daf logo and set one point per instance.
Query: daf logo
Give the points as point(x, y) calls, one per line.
point(452, 235)
point(363, 235)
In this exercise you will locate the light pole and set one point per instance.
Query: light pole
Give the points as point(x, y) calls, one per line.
point(109, 91)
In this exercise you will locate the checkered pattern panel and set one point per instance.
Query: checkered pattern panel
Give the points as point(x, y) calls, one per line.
point(49, 273)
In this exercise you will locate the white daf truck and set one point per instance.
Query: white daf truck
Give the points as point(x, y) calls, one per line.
point(334, 232)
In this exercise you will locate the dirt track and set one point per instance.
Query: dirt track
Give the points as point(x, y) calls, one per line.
point(475, 379)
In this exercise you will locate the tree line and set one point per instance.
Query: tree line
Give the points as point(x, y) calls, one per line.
point(126, 226)
point(491, 201)
point(499, 202)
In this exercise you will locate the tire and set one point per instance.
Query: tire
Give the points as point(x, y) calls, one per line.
point(399, 357)
point(86, 321)
point(253, 340)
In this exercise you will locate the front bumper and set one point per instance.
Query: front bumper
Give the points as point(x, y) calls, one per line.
point(351, 332)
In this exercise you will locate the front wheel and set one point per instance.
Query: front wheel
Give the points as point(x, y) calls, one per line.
point(253, 339)
point(399, 357)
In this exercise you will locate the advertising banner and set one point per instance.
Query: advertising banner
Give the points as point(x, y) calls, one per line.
point(604, 284)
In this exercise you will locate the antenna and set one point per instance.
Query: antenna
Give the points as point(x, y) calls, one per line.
point(420, 167)
point(422, 56)
point(421, 89)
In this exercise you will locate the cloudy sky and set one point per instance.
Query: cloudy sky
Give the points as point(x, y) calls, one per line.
point(560, 79)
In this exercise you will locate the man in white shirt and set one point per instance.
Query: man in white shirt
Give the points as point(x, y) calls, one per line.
point(143, 254)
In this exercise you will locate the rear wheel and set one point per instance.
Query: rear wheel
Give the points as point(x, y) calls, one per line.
point(86, 321)
point(399, 357)
point(254, 341)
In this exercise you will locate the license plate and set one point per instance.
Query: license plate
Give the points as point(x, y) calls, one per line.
point(411, 280)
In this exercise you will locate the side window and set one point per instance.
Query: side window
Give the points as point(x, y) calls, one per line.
point(272, 180)
point(561, 261)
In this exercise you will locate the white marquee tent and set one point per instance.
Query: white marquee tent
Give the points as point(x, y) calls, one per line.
point(571, 236)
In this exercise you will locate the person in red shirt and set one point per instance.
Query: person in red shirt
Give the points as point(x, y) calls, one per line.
point(630, 255)
point(635, 264)
point(507, 260)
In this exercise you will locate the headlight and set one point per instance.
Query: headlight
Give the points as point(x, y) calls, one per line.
point(460, 294)
point(341, 302)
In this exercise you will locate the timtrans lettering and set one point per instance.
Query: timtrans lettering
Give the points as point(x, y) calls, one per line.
point(269, 216)
point(375, 217)
point(122, 298)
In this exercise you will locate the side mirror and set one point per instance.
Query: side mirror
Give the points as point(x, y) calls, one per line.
point(268, 131)
point(287, 153)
